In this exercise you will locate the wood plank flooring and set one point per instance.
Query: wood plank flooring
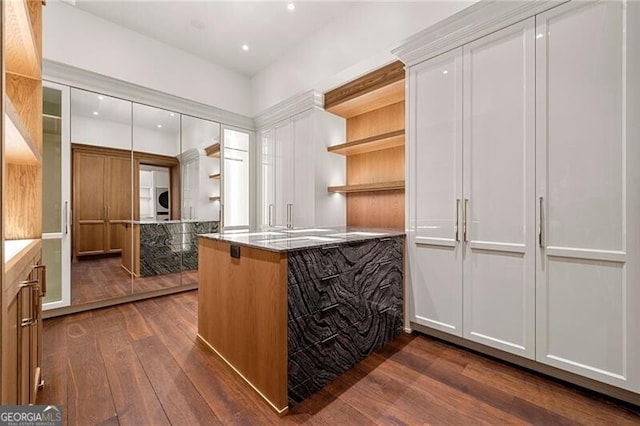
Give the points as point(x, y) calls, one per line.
point(140, 364)
point(100, 278)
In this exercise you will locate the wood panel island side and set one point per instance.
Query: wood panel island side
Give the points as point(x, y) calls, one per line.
point(290, 311)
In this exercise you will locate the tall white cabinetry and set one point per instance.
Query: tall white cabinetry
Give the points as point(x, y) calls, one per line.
point(523, 191)
point(296, 169)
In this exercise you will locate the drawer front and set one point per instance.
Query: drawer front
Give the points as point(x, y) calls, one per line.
point(317, 263)
point(312, 296)
point(380, 285)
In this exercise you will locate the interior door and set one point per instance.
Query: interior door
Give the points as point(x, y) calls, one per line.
point(435, 126)
point(587, 160)
point(119, 202)
point(90, 208)
point(56, 195)
point(499, 183)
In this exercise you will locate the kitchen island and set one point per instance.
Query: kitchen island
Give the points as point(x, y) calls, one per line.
point(291, 310)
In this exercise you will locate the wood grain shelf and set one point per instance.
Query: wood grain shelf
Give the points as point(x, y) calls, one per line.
point(372, 143)
point(213, 150)
point(375, 90)
point(19, 147)
point(22, 53)
point(16, 253)
point(368, 187)
point(216, 198)
point(215, 176)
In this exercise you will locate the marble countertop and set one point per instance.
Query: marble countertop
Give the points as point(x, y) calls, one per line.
point(160, 222)
point(284, 240)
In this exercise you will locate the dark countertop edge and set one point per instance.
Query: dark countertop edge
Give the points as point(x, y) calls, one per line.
point(319, 244)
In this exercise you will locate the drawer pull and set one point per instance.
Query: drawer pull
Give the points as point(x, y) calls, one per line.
point(382, 287)
point(386, 239)
point(385, 310)
point(335, 246)
point(386, 262)
point(328, 308)
point(329, 338)
point(330, 277)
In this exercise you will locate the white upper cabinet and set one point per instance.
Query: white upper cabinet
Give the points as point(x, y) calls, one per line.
point(435, 187)
point(498, 170)
point(588, 190)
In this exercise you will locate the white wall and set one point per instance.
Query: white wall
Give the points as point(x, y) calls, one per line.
point(354, 44)
point(77, 38)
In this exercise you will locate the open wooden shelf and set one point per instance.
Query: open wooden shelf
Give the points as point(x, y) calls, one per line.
point(372, 143)
point(215, 176)
point(215, 198)
point(21, 49)
point(19, 147)
point(375, 90)
point(213, 150)
point(368, 187)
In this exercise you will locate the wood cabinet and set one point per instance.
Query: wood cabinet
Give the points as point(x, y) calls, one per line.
point(523, 186)
point(294, 165)
point(101, 199)
point(374, 108)
point(22, 282)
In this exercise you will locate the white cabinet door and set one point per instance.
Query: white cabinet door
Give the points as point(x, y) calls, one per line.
point(499, 190)
point(588, 187)
point(302, 211)
point(435, 170)
point(283, 172)
point(267, 178)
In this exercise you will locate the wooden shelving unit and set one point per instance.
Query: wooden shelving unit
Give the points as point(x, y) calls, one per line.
point(368, 187)
point(21, 43)
point(214, 198)
point(374, 108)
point(372, 143)
point(213, 150)
point(19, 147)
point(215, 176)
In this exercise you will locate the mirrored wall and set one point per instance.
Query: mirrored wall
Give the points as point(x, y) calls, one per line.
point(144, 182)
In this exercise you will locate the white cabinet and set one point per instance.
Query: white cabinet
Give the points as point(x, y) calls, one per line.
point(474, 230)
point(296, 169)
point(588, 295)
point(524, 186)
point(199, 191)
point(235, 179)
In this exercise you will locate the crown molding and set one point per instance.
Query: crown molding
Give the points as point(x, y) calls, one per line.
point(478, 20)
point(290, 107)
point(58, 72)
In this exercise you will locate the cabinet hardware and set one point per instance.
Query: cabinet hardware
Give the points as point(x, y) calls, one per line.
point(466, 220)
point(104, 213)
point(329, 277)
point(386, 239)
point(270, 214)
point(43, 282)
point(108, 213)
point(221, 216)
point(65, 218)
point(541, 222)
point(457, 226)
point(234, 159)
point(383, 287)
point(289, 216)
point(329, 338)
point(329, 247)
point(386, 262)
point(29, 320)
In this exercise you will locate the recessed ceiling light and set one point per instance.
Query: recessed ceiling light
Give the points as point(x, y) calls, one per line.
point(291, 6)
point(245, 47)
point(159, 126)
point(95, 113)
point(445, 72)
point(100, 97)
point(172, 114)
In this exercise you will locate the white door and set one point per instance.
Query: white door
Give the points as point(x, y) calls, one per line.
point(302, 211)
point(56, 213)
point(588, 97)
point(283, 135)
point(435, 177)
point(235, 179)
point(267, 178)
point(499, 190)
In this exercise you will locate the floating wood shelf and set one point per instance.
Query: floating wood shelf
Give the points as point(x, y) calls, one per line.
point(22, 56)
point(216, 198)
point(373, 91)
point(369, 187)
point(372, 143)
point(213, 150)
point(19, 147)
point(215, 176)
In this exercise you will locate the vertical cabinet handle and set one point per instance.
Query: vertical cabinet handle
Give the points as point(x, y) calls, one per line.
point(289, 216)
point(541, 222)
point(65, 218)
point(31, 318)
point(221, 215)
point(457, 222)
point(466, 220)
point(104, 213)
point(270, 214)
point(43, 281)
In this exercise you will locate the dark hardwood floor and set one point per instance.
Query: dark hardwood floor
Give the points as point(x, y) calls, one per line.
point(100, 278)
point(140, 364)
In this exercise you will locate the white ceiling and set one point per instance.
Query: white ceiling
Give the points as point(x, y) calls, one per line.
point(216, 30)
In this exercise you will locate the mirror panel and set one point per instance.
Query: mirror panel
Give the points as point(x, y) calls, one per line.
point(102, 198)
point(236, 179)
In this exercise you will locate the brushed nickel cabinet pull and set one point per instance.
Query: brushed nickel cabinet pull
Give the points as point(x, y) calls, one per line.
point(457, 222)
point(466, 220)
point(289, 216)
point(329, 277)
point(43, 282)
point(65, 218)
point(541, 222)
point(270, 214)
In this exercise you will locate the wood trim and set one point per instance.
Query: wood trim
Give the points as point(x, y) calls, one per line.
point(372, 143)
point(99, 150)
point(21, 42)
point(242, 314)
point(213, 150)
point(19, 147)
point(20, 265)
point(368, 187)
point(215, 176)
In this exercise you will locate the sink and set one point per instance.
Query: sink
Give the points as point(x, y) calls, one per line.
point(297, 231)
